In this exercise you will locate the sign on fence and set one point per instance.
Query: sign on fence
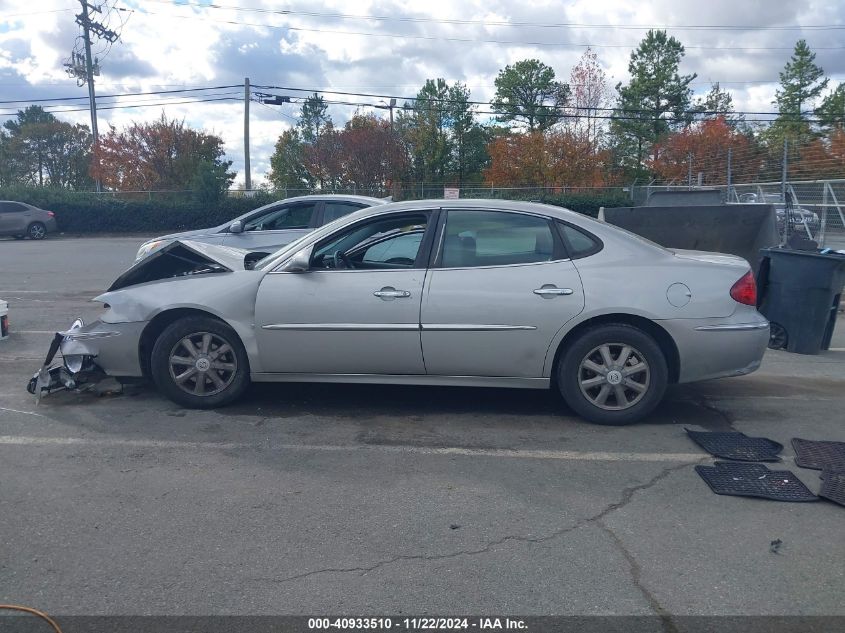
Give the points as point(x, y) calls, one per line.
point(451, 193)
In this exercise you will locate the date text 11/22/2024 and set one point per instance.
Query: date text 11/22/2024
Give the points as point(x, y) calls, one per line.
point(418, 624)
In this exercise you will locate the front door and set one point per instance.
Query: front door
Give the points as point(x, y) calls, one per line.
point(273, 228)
point(500, 291)
point(357, 309)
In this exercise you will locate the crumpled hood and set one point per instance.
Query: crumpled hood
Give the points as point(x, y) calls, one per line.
point(182, 258)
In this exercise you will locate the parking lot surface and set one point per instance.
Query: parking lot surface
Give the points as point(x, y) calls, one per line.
point(315, 499)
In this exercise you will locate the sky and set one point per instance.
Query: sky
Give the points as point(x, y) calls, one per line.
point(379, 47)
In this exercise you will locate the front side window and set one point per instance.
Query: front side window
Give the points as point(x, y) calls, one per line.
point(495, 238)
point(292, 217)
point(392, 242)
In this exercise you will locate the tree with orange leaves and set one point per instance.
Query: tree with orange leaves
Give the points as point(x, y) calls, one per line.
point(165, 155)
point(702, 147)
point(545, 159)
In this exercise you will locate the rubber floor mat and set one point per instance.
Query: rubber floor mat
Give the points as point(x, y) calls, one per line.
point(737, 446)
point(819, 455)
point(833, 487)
point(754, 480)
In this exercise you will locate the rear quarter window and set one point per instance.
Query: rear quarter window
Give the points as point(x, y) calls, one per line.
point(579, 243)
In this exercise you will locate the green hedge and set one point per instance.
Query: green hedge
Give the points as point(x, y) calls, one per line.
point(103, 213)
point(166, 213)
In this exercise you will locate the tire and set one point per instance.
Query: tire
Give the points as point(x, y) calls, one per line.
point(586, 401)
point(36, 231)
point(170, 356)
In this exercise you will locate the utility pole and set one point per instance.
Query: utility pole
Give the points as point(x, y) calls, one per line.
point(247, 175)
point(85, 73)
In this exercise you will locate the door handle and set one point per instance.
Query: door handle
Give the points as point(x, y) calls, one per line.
point(548, 291)
point(389, 293)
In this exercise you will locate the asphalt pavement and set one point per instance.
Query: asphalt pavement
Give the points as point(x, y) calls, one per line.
point(316, 499)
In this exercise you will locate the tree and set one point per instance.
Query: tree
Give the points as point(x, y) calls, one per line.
point(314, 122)
point(469, 140)
point(801, 82)
point(556, 159)
point(210, 182)
point(590, 95)
point(427, 127)
point(719, 103)
point(313, 118)
point(163, 155)
point(831, 112)
point(701, 148)
point(370, 158)
point(655, 102)
point(287, 164)
point(528, 92)
point(39, 149)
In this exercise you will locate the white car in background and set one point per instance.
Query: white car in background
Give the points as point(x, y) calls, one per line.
point(270, 227)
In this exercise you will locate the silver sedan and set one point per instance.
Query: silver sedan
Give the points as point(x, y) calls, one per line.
point(469, 293)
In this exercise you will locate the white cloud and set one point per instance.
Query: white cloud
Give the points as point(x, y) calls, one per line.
point(166, 46)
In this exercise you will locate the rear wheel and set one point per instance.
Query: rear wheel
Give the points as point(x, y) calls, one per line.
point(36, 231)
point(200, 363)
point(778, 337)
point(613, 374)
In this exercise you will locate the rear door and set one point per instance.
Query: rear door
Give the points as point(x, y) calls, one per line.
point(273, 228)
point(502, 286)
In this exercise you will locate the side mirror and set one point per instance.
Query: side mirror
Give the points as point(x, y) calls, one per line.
point(236, 227)
point(300, 262)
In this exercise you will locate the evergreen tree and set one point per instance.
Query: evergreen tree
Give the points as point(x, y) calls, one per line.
point(801, 83)
point(655, 102)
point(528, 92)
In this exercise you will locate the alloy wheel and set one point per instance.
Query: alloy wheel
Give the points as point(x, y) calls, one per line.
point(614, 376)
point(203, 364)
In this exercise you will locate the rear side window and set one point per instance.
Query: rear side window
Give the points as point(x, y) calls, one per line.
point(13, 207)
point(579, 243)
point(335, 210)
point(495, 238)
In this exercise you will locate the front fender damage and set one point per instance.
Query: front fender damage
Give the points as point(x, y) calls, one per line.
point(78, 370)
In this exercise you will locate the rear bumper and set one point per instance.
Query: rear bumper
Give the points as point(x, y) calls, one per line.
point(52, 225)
point(717, 348)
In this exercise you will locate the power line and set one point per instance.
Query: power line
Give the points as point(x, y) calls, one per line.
point(125, 94)
point(553, 25)
point(467, 40)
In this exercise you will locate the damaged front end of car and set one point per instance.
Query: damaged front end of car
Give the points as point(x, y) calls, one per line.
point(77, 369)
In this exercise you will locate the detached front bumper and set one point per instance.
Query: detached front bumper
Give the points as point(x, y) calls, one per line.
point(88, 353)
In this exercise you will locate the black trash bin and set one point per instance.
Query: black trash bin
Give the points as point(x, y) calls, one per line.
point(799, 292)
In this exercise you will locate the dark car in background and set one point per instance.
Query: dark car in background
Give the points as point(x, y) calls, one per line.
point(21, 220)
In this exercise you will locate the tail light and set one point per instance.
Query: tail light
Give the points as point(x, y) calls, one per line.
point(51, 214)
point(745, 290)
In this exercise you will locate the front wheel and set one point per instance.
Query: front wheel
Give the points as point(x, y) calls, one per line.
point(613, 374)
point(200, 363)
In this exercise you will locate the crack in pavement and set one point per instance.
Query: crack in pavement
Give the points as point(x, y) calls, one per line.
point(636, 576)
point(627, 495)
